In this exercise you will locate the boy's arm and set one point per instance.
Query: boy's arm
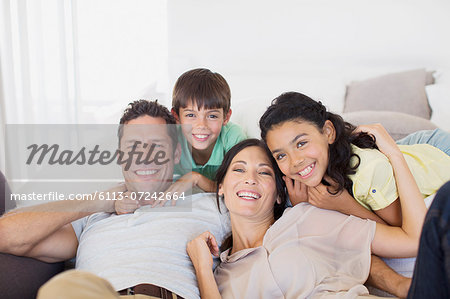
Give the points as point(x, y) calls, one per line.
point(188, 181)
point(204, 183)
point(45, 231)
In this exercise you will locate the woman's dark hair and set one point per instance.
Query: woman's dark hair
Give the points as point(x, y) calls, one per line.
point(294, 106)
point(222, 171)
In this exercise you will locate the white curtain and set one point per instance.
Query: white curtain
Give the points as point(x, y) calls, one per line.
point(39, 61)
point(80, 61)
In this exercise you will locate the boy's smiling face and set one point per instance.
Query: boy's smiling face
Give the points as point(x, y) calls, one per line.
point(206, 125)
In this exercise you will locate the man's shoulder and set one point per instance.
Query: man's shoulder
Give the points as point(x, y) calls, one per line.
point(208, 204)
point(204, 200)
point(97, 217)
point(82, 224)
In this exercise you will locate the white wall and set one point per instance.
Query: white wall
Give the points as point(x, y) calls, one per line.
point(316, 46)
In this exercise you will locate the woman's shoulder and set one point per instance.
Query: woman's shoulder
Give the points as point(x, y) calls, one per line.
point(294, 215)
point(305, 220)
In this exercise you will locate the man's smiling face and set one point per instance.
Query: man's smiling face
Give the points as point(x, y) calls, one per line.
point(148, 135)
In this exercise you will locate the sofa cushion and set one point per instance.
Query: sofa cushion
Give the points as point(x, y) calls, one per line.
point(5, 203)
point(439, 98)
point(397, 124)
point(21, 277)
point(400, 92)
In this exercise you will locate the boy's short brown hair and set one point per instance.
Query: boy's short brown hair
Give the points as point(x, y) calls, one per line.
point(209, 90)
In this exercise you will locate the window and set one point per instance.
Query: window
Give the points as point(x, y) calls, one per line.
point(80, 61)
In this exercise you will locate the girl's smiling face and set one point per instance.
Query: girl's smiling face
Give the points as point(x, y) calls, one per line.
point(301, 149)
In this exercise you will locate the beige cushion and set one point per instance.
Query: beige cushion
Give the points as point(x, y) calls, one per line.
point(398, 124)
point(430, 78)
point(401, 92)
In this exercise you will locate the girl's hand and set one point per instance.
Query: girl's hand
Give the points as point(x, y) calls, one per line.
point(320, 197)
point(126, 204)
point(384, 141)
point(177, 188)
point(298, 192)
point(200, 250)
point(121, 202)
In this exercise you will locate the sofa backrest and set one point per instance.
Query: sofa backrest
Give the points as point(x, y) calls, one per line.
point(5, 203)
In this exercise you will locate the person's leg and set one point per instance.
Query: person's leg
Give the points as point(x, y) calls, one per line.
point(437, 138)
point(431, 278)
point(75, 284)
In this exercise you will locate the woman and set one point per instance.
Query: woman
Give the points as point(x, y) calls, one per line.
point(309, 251)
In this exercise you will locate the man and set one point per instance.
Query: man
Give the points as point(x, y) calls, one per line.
point(142, 252)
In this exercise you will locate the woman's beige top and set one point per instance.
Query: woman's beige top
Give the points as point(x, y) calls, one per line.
point(308, 253)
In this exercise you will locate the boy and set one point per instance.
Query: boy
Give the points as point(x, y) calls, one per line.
point(201, 99)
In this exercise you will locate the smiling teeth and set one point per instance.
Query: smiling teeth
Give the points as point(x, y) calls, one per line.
point(249, 195)
point(307, 170)
point(200, 136)
point(146, 172)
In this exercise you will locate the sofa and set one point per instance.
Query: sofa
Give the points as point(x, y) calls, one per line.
point(399, 101)
point(21, 277)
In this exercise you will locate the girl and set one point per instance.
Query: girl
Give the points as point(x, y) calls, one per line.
point(329, 161)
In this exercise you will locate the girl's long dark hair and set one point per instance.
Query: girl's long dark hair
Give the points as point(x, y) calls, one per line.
point(279, 183)
point(294, 106)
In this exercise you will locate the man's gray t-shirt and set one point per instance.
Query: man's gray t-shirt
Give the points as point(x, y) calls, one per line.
point(149, 245)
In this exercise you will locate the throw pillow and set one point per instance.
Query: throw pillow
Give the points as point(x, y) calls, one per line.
point(401, 92)
point(397, 124)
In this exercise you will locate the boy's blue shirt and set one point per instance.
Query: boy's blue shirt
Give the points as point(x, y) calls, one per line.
point(230, 134)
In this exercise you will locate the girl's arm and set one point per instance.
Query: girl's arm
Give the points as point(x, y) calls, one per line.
point(399, 241)
point(342, 202)
point(200, 250)
point(392, 214)
point(320, 197)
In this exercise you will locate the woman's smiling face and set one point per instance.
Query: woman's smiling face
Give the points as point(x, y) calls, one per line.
point(301, 149)
point(249, 185)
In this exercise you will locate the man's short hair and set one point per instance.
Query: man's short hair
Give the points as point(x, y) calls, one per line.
point(151, 108)
point(209, 90)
